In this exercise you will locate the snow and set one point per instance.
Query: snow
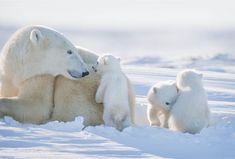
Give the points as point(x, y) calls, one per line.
point(156, 39)
point(119, 14)
point(72, 140)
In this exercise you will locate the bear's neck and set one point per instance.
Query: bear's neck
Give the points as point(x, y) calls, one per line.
point(28, 73)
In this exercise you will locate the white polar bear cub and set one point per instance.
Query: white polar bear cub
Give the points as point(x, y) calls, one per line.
point(113, 92)
point(190, 113)
point(161, 96)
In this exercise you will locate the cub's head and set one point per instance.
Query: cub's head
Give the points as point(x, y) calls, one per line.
point(189, 78)
point(49, 52)
point(106, 63)
point(163, 94)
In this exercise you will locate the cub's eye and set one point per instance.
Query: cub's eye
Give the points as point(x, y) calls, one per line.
point(97, 63)
point(167, 103)
point(69, 52)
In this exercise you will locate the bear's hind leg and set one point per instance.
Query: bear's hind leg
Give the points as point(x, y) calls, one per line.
point(152, 116)
point(165, 120)
point(23, 110)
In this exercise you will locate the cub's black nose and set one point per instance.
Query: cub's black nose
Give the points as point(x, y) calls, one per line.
point(85, 74)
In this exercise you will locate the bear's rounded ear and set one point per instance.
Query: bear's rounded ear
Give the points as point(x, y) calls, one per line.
point(36, 36)
point(154, 90)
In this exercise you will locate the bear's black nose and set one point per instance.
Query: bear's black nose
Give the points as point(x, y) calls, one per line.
point(85, 74)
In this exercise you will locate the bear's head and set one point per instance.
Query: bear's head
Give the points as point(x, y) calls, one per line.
point(55, 54)
point(163, 94)
point(36, 50)
point(189, 78)
point(107, 63)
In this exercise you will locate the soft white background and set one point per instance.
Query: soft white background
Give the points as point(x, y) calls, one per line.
point(155, 39)
point(128, 28)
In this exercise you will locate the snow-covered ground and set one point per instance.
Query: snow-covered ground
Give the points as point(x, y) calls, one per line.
point(70, 140)
point(157, 39)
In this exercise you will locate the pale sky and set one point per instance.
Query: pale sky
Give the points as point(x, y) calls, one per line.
point(119, 13)
point(176, 27)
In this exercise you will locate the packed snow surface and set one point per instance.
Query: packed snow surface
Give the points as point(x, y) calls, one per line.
point(72, 140)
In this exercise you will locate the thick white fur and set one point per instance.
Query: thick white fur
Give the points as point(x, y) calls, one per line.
point(37, 50)
point(190, 113)
point(161, 97)
point(43, 98)
point(113, 92)
point(33, 103)
point(88, 56)
point(77, 98)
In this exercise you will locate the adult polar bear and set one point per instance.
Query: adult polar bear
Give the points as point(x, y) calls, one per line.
point(30, 52)
point(41, 96)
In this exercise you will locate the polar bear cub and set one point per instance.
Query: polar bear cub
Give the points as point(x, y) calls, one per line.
point(190, 113)
point(161, 97)
point(113, 92)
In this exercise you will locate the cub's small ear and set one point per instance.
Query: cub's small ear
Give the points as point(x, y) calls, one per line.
point(36, 36)
point(154, 90)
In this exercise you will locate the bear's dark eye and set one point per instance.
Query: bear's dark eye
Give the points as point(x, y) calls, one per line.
point(69, 52)
point(167, 103)
point(97, 63)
